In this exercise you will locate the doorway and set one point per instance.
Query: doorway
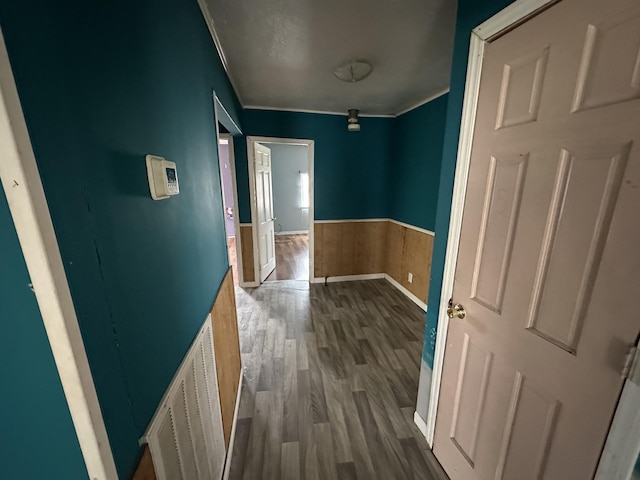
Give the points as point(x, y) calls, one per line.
point(227, 174)
point(225, 129)
point(281, 182)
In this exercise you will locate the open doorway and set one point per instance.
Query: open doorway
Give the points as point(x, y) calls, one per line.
point(225, 153)
point(281, 172)
point(290, 186)
point(225, 129)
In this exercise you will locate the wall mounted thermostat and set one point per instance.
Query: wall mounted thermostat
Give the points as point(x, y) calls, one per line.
point(163, 177)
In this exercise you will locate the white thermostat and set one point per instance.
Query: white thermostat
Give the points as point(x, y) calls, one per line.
point(163, 177)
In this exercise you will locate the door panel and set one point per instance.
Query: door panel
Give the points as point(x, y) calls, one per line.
point(528, 431)
point(473, 376)
point(547, 266)
point(610, 68)
point(499, 217)
point(586, 188)
point(264, 209)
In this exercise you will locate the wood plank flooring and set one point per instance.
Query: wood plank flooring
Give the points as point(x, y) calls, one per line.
point(292, 258)
point(330, 383)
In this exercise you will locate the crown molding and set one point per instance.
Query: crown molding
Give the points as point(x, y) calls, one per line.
point(423, 102)
point(216, 41)
point(320, 112)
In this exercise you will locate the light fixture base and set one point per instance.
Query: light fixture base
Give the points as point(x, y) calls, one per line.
point(352, 120)
point(353, 71)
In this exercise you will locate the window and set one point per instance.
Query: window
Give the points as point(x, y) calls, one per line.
point(304, 190)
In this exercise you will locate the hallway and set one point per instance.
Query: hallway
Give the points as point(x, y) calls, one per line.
point(330, 382)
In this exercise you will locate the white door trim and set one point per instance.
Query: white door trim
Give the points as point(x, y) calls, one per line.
point(623, 442)
point(30, 212)
point(218, 106)
point(252, 192)
point(510, 16)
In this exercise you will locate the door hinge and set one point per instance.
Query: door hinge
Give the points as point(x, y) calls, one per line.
point(630, 369)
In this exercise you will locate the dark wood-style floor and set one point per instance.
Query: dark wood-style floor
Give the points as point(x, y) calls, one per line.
point(292, 258)
point(330, 383)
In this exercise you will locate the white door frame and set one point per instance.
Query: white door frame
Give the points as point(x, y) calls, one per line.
point(508, 18)
point(252, 192)
point(219, 111)
point(32, 220)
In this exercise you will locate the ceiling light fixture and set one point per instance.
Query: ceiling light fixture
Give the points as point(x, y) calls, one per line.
point(352, 120)
point(353, 71)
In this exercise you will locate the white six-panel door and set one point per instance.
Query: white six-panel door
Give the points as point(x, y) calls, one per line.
point(548, 267)
point(264, 204)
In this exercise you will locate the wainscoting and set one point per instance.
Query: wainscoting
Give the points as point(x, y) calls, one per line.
point(349, 248)
point(409, 250)
point(364, 247)
point(207, 382)
point(246, 239)
point(379, 246)
point(224, 319)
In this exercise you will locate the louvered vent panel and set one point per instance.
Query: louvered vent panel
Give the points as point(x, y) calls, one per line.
point(205, 404)
point(168, 451)
point(218, 449)
point(195, 424)
point(185, 437)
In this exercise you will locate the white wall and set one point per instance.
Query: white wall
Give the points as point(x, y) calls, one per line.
point(287, 162)
point(227, 188)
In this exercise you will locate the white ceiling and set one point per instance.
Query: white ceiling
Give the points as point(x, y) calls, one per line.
point(281, 54)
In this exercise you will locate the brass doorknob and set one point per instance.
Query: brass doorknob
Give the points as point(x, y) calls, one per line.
point(456, 310)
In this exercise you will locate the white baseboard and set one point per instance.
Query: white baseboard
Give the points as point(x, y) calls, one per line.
point(232, 439)
point(249, 284)
point(410, 295)
point(420, 423)
point(349, 278)
point(293, 232)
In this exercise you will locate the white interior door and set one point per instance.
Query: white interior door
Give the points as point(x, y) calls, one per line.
point(548, 266)
point(264, 209)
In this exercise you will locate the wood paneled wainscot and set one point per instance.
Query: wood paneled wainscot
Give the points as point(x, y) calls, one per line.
point(145, 469)
point(227, 351)
point(361, 247)
point(409, 250)
point(349, 248)
point(246, 240)
point(375, 247)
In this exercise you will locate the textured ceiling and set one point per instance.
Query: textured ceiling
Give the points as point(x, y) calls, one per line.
point(281, 54)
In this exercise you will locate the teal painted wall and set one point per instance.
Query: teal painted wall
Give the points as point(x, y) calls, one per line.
point(415, 164)
point(470, 14)
point(102, 84)
point(34, 408)
point(351, 169)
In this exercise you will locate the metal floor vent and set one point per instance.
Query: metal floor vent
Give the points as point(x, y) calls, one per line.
point(185, 436)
